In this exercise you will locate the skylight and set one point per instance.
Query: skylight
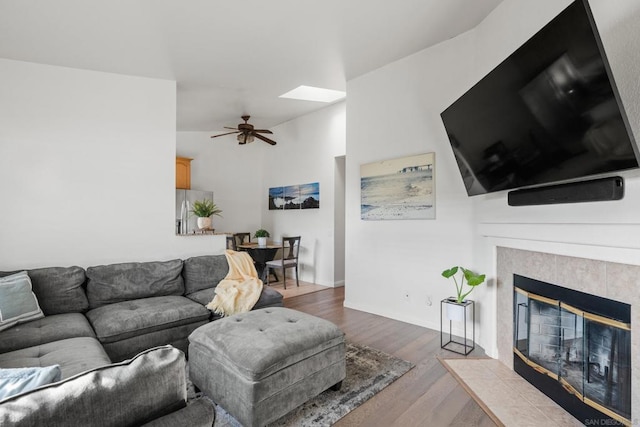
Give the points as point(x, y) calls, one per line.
point(318, 94)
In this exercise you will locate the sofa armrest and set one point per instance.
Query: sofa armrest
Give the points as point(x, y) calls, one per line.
point(269, 297)
point(132, 392)
point(198, 413)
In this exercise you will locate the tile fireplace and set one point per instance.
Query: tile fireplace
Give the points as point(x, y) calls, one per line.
point(576, 348)
point(583, 350)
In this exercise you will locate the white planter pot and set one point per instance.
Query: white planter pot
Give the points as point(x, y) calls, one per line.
point(455, 311)
point(262, 241)
point(204, 223)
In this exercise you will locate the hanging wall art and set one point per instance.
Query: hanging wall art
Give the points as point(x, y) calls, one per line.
point(295, 197)
point(401, 188)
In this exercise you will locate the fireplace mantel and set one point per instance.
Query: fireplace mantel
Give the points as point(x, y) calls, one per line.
point(605, 242)
point(614, 235)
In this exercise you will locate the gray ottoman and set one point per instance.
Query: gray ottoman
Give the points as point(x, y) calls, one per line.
point(260, 365)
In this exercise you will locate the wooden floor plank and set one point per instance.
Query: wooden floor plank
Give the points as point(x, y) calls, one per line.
point(427, 395)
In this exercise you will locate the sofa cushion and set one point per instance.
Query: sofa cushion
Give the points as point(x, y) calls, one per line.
point(44, 330)
point(18, 303)
point(59, 289)
point(74, 355)
point(131, 393)
point(203, 296)
point(175, 336)
point(119, 321)
point(268, 297)
point(108, 284)
point(19, 380)
point(204, 272)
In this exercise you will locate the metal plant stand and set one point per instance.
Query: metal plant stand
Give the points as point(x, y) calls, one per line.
point(452, 344)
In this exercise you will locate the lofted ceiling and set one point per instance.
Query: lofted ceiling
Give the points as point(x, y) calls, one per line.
point(232, 57)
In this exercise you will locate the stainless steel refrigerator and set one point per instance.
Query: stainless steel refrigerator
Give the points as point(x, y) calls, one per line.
point(185, 220)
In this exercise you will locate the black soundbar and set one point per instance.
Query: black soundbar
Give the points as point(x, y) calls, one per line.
point(594, 190)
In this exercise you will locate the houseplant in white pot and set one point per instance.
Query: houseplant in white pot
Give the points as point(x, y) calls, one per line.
point(262, 235)
point(204, 210)
point(456, 305)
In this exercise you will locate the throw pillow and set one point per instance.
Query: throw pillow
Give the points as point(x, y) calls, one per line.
point(18, 303)
point(19, 380)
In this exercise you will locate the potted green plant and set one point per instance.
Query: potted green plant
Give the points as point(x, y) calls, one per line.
point(455, 307)
point(262, 235)
point(204, 209)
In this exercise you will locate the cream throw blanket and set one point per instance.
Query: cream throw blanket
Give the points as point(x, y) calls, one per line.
point(240, 290)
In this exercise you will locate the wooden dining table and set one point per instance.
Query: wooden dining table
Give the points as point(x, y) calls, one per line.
point(261, 255)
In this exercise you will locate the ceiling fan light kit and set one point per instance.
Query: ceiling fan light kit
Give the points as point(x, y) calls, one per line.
point(243, 138)
point(247, 133)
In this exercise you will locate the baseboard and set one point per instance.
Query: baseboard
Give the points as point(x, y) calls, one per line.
point(392, 315)
point(493, 352)
point(410, 319)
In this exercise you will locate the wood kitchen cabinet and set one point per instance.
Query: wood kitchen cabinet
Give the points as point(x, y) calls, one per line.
point(183, 173)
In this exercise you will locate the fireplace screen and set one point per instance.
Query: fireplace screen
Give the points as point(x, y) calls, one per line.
point(589, 354)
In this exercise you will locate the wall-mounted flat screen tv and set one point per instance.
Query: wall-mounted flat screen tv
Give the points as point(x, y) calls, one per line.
point(550, 112)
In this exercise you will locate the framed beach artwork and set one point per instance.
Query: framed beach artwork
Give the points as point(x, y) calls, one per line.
point(401, 188)
point(299, 196)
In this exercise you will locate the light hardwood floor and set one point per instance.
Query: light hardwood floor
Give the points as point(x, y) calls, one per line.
point(293, 290)
point(427, 395)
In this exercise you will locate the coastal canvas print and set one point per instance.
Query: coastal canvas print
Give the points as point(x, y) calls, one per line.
point(301, 196)
point(276, 198)
point(292, 197)
point(310, 196)
point(401, 188)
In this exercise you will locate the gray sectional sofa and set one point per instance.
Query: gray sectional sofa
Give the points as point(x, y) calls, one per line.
point(114, 323)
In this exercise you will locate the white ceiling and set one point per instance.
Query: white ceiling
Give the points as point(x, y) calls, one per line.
point(231, 57)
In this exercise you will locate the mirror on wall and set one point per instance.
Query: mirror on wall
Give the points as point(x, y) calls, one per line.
point(186, 223)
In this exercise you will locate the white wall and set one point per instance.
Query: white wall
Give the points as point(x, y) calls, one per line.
point(241, 175)
point(87, 168)
point(232, 171)
point(339, 221)
point(394, 111)
point(306, 152)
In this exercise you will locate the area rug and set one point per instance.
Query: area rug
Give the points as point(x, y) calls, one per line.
point(368, 372)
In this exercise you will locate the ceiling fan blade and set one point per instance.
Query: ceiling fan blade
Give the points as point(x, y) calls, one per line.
point(264, 138)
point(227, 127)
point(262, 130)
point(223, 134)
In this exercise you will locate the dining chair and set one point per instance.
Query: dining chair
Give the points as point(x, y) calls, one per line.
point(290, 250)
point(231, 243)
point(240, 238)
